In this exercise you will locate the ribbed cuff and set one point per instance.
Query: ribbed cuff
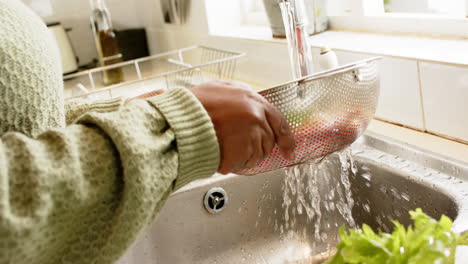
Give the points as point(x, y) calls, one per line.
point(197, 144)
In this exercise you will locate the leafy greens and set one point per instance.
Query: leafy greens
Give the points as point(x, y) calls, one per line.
point(427, 241)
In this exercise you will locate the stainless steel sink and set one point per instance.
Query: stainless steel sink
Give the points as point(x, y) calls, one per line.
point(248, 225)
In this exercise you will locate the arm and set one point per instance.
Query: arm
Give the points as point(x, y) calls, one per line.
point(83, 193)
point(76, 107)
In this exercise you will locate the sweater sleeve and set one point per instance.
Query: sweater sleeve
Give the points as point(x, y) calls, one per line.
point(76, 107)
point(82, 194)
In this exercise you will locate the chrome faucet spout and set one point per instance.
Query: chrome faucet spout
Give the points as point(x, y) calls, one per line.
point(295, 23)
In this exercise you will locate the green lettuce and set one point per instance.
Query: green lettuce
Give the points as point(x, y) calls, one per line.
point(427, 241)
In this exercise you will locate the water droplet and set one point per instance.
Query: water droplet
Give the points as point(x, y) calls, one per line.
point(431, 240)
point(366, 208)
point(367, 176)
point(405, 196)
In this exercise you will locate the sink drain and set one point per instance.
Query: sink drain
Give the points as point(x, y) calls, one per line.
point(215, 200)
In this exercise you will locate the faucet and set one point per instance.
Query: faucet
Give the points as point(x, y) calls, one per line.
point(295, 22)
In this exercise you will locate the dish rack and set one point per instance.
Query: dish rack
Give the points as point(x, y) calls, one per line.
point(183, 67)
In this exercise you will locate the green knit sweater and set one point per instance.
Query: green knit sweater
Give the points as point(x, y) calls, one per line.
point(82, 193)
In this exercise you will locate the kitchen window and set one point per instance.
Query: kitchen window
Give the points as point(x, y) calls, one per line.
point(441, 8)
point(253, 13)
point(237, 18)
point(439, 18)
point(428, 17)
point(452, 8)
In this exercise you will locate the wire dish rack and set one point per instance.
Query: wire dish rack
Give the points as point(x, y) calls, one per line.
point(183, 67)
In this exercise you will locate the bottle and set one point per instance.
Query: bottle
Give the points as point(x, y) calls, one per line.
point(327, 59)
point(106, 42)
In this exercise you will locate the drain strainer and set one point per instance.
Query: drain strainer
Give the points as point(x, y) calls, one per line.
point(215, 200)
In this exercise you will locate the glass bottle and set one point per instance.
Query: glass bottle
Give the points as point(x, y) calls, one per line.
point(106, 42)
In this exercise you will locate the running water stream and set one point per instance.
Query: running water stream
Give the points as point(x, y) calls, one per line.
point(314, 190)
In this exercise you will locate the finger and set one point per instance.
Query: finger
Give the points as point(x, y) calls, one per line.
point(227, 158)
point(224, 164)
point(257, 150)
point(234, 160)
point(283, 135)
point(228, 163)
point(268, 140)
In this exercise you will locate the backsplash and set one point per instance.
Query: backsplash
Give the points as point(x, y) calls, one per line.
point(445, 96)
point(424, 95)
point(400, 94)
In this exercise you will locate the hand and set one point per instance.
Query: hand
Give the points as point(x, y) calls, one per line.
point(247, 125)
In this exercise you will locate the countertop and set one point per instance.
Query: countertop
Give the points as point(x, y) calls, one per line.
point(451, 149)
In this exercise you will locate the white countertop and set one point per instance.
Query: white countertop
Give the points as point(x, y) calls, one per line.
point(452, 149)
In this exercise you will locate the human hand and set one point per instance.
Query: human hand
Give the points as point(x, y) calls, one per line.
point(247, 125)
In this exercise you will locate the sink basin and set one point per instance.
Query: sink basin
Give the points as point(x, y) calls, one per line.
point(252, 226)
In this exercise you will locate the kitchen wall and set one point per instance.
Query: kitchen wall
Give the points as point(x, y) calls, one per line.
point(75, 14)
point(271, 58)
point(424, 95)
